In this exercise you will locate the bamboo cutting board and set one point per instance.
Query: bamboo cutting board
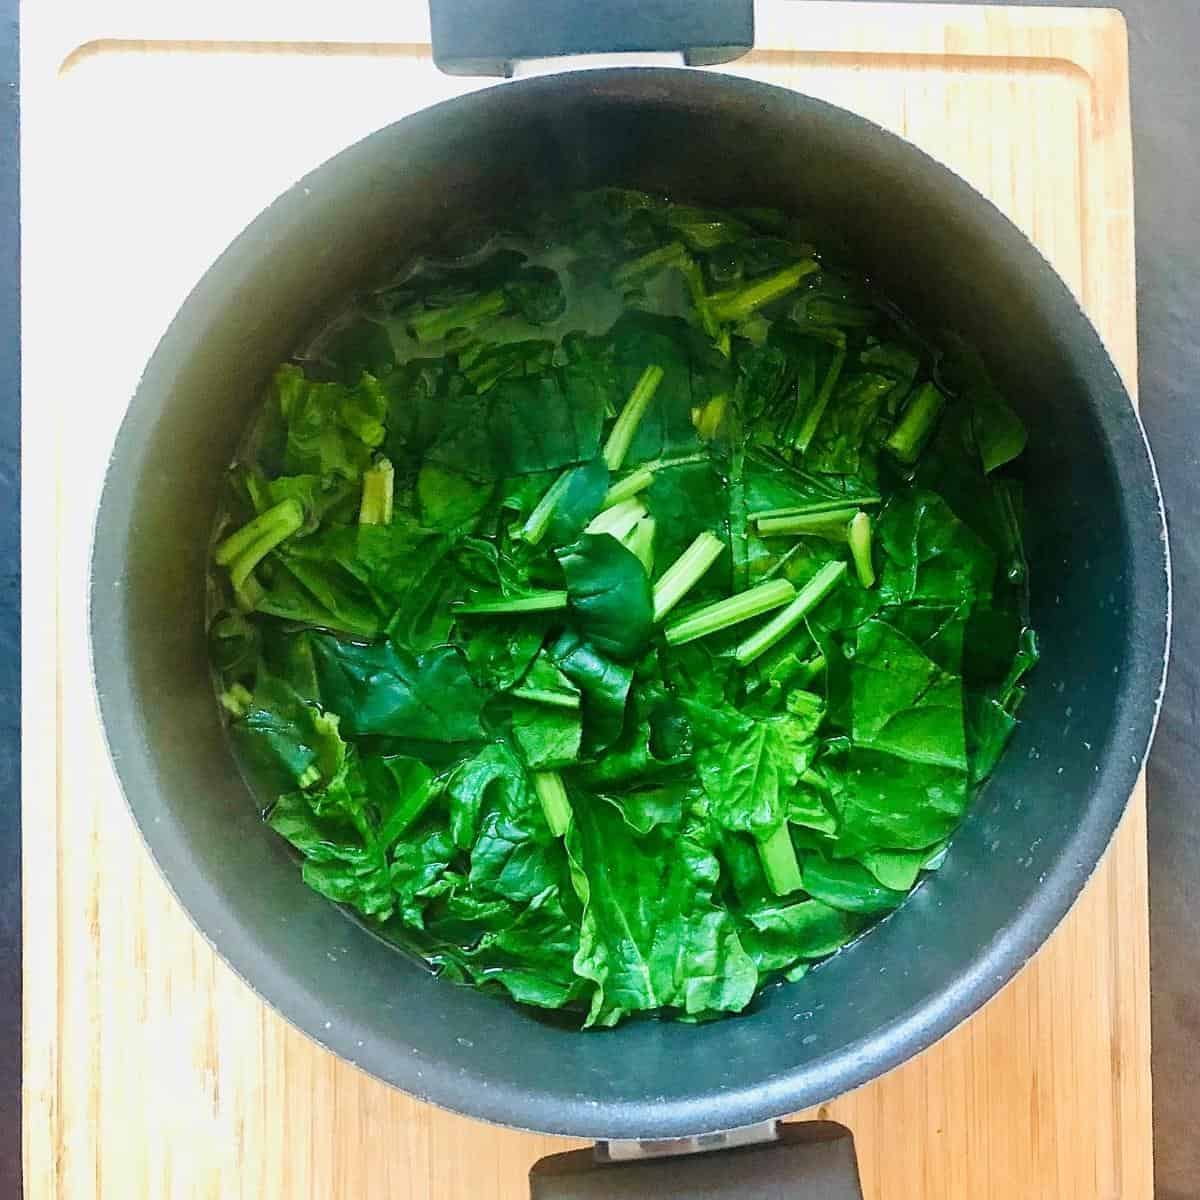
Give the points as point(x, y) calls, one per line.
point(150, 138)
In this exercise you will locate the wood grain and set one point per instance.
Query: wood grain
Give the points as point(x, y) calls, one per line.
point(151, 1070)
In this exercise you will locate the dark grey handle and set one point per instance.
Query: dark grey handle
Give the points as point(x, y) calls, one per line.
point(486, 37)
point(812, 1160)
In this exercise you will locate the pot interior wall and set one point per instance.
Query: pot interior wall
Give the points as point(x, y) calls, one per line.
point(1096, 563)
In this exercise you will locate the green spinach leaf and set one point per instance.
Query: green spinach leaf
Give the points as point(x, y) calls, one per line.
point(651, 937)
point(603, 686)
point(847, 886)
point(610, 597)
point(381, 689)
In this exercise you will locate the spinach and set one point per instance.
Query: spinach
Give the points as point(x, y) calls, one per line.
point(286, 739)
point(436, 579)
point(895, 869)
point(418, 871)
point(234, 646)
point(749, 768)
point(840, 443)
point(902, 702)
point(777, 936)
point(649, 920)
point(520, 424)
point(537, 294)
point(603, 685)
point(991, 711)
point(654, 746)
point(998, 432)
point(609, 595)
point(381, 689)
point(930, 556)
point(497, 657)
point(494, 768)
point(887, 802)
point(342, 861)
point(531, 957)
point(514, 856)
point(484, 363)
point(449, 501)
point(346, 835)
point(331, 428)
point(546, 722)
point(643, 811)
point(687, 499)
point(693, 370)
point(580, 500)
point(532, 426)
point(309, 584)
point(847, 886)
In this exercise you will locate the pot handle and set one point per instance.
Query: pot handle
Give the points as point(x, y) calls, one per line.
point(488, 37)
point(806, 1160)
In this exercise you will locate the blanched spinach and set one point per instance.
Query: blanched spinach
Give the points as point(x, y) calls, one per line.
point(621, 615)
point(609, 595)
point(649, 920)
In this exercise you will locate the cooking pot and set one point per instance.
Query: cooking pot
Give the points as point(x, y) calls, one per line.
point(1098, 567)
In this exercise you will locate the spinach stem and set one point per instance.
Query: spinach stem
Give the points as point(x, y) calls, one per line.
point(553, 796)
point(812, 418)
point(406, 815)
point(378, 488)
point(779, 864)
point(685, 572)
point(836, 312)
point(674, 254)
point(309, 777)
point(860, 548)
point(619, 519)
point(694, 278)
point(242, 551)
point(538, 521)
point(781, 563)
point(640, 543)
point(809, 671)
point(621, 436)
point(748, 299)
point(680, 460)
point(780, 625)
point(237, 699)
point(545, 696)
point(437, 323)
point(627, 488)
point(816, 506)
point(916, 424)
point(714, 617)
point(739, 538)
point(249, 594)
point(832, 524)
point(537, 602)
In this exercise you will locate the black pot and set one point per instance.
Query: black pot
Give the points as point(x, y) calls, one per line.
point(1096, 546)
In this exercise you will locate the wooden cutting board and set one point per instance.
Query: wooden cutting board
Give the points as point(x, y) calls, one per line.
point(151, 137)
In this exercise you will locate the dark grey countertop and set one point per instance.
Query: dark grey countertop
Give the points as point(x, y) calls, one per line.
point(10, 624)
point(1164, 41)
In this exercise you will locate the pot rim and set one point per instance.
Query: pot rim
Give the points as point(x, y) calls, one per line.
point(560, 1112)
